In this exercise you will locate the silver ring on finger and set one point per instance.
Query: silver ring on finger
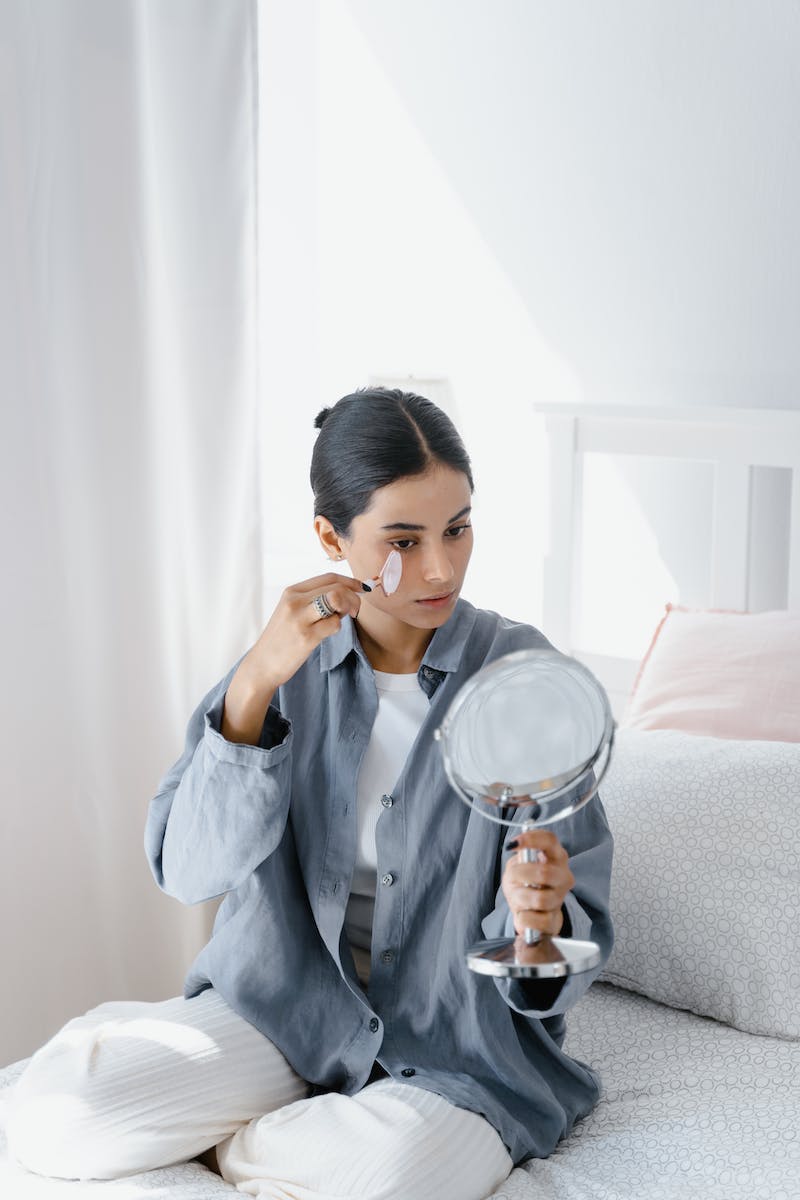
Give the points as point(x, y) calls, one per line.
point(323, 608)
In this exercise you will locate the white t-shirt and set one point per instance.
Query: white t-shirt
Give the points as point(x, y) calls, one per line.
point(402, 707)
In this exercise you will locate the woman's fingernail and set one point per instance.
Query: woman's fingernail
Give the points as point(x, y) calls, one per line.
point(365, 587)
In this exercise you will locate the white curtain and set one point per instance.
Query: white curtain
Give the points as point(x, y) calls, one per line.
point(130, 509)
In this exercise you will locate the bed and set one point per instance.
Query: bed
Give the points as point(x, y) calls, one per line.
point(694, 1024)
point(691, 1108)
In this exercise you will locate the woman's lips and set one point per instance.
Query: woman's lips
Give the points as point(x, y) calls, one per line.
point(438, 602)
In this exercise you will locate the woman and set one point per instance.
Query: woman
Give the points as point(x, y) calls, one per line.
point(330, 1040)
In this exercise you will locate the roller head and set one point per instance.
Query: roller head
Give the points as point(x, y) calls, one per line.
point(392, 572)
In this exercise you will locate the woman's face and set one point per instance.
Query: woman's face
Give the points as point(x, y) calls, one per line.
point(427, 519)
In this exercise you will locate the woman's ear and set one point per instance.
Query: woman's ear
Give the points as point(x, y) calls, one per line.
point(329, 539)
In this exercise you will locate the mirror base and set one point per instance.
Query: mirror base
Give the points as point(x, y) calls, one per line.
point(549, 958)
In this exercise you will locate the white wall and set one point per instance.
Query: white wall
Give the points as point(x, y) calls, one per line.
point(539, 202)
point(557, 202)
point(289, 282)
point(634, 168)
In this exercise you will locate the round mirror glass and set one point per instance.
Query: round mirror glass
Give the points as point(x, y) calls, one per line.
point(528, 730)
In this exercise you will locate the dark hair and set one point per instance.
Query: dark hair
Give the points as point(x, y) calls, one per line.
point(371, 438)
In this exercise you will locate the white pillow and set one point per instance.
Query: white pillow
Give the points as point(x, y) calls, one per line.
point(706, 876)
point(721, 674)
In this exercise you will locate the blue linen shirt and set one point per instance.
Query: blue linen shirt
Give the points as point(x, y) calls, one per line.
point(274, 827)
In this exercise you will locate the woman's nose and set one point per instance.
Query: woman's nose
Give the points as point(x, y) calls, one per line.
point(437, 566)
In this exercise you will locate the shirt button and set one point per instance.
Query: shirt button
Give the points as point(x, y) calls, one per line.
point(408, 1072)
point(387, 801)
point(387, 956)
point(374, 1025)
point(428, 672)
point(388, 879)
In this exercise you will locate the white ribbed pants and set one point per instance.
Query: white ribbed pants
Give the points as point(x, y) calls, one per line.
point(132, 1085)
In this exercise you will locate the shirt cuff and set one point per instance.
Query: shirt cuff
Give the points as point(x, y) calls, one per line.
point(274, 741)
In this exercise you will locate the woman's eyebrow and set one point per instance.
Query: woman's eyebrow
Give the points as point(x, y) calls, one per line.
point(405, 524)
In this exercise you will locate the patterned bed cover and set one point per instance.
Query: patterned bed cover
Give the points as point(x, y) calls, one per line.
point(692, 1109)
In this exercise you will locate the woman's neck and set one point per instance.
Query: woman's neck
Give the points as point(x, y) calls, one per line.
point(391, 645)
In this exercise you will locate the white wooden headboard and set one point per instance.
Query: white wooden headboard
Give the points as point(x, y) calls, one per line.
point(734, 441)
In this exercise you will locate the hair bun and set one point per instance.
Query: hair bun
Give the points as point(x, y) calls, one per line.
point(321, 416)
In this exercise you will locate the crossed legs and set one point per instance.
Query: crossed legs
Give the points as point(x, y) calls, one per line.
point(130, 1086)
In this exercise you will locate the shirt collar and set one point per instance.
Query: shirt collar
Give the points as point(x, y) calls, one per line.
point(444, 652)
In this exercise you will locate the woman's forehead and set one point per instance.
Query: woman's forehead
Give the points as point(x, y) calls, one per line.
point(436, 498)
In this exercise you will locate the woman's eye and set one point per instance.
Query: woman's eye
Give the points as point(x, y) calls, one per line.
point(454, 532)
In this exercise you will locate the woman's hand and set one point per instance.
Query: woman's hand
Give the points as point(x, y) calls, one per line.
point(295, 627)
point(535, 891)
point(291, 633)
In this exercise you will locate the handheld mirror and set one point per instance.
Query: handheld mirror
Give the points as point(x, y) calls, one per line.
point(526, 742)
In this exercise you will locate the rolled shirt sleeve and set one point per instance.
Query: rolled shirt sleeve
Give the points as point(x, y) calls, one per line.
point(222, 808)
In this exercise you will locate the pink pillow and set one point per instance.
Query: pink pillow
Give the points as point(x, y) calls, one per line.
point(721, 674)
